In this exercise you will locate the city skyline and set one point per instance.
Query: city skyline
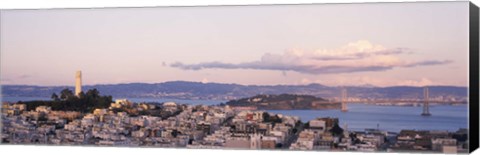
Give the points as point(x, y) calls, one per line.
point(248, 45)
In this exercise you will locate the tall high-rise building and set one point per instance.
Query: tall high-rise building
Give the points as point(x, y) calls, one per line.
point(78, 83)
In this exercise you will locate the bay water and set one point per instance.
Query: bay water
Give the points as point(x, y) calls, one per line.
point(358, 117)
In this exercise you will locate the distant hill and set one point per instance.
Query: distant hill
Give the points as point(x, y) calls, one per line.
point(219, 91)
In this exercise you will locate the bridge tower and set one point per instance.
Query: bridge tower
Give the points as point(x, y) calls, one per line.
point(426, 108)
point(344, 100)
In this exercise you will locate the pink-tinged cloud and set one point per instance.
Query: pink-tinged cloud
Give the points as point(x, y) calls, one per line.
point(418, 83)
point(360, 56)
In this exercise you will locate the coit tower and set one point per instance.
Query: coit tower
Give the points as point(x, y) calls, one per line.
point(78, 83)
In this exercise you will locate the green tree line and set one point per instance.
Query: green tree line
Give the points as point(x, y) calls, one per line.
point(68, 101)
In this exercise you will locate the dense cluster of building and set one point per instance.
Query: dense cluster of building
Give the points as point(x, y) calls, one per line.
point(199, 126)
point(436, 141)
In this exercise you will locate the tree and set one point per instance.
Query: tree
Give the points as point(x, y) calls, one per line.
point(278, 145)
point(306, 125)
point(66, 94)
point(69, 102)
point(81, 95)
point(277, 119)
point(93, 93)
point(42, 118)
point(336, 130)
point(174, 133)
point(55, 97)
point(266, 117)
point(298, 123)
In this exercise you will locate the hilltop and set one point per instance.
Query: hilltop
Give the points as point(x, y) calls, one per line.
point(285, 102)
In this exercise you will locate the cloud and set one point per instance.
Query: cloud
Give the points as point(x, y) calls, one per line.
point(428, 63)
point(305, 81)
point(356, 50)
point(360, 56)
point(205, 80)
point(356, 56)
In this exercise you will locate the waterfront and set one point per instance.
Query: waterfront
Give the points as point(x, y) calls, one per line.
point(391, 118)
point(360, 116)
point(72, 121)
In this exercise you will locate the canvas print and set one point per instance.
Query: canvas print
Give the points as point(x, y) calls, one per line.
point(370, 77)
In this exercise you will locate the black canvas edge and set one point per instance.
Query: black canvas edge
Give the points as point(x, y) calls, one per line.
point(1, 85)
point(474, 77)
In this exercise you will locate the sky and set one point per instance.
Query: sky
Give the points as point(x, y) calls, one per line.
point(381, 44)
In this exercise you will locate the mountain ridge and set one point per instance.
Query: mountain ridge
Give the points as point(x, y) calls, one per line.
point(228, 91)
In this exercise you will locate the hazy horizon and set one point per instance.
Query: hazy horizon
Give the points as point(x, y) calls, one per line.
point(380, 44)
point(364, 85)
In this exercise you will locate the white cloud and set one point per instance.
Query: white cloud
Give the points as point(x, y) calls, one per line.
point(205, 80)
point(367, 81)
point(359, 56)
point(305, 81)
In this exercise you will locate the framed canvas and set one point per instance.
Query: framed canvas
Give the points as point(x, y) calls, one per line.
point(359, 77)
